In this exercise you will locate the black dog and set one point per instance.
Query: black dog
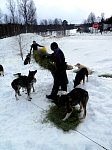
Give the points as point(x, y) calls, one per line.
point(27, 59)
point(80, 75)
point(18, 75)
point(24, 82)
point(76, 96)
point(1, 70)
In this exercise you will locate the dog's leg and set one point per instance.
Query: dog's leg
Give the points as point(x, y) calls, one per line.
point(29, 93)
point(2, 73)
point(87, 78)
point(83, 115)
point(18, 91)
point(67, 116)
point(84, 107)
point(81, 106)
point(16, 95)
point(23, 89)
point(33, 88)
point(84, 80)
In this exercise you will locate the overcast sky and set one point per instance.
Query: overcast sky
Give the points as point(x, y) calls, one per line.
point(74, 11)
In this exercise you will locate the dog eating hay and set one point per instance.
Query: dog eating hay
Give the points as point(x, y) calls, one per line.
point(76, 96)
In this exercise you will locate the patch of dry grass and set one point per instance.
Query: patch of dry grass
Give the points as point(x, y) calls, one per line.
point(55, 115)
point(106, 75)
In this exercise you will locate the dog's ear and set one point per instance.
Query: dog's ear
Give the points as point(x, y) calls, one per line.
point(17, 75)
point(35, 71)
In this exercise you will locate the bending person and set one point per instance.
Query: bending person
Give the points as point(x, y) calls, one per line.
point(60, 75)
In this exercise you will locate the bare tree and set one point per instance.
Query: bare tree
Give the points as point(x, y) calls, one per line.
point(27, 10)
point(32, 13)
point(57, 21)
point(64, 24)
point(19, 40)
point(12, 9)
point(44, 22)
point(91, 18)
point(1, 16)
point(6, 19)
point(103, 16)
point(50, 21)
point(20, 45)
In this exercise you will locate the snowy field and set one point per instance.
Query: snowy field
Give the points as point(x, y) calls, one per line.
point(21, 122)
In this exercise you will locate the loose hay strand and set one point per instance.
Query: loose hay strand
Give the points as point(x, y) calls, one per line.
point(43, 62)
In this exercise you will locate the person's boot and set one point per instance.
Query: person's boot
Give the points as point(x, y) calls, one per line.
point(51, 97)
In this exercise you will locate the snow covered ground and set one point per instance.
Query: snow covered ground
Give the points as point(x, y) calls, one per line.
point(21, 122)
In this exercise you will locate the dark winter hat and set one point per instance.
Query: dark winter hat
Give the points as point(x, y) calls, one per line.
point(54, 45)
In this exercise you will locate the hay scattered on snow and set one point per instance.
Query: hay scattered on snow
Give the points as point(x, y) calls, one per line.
point(55, 115)
point(106, 75)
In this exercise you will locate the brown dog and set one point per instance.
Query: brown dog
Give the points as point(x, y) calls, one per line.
point(80, 66)
point(76, 96)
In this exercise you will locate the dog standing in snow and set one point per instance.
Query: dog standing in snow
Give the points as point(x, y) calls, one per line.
point(80, 76)
point(24, 82)
point(27, 59)
point(80, 66)
point(1, 70)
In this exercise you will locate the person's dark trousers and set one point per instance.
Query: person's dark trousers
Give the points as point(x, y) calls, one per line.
point(60, 80)
point(55, 86)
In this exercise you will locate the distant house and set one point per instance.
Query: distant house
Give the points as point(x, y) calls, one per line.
point(108, 24)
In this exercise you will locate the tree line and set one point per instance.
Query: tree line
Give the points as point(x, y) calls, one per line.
point(22, 18)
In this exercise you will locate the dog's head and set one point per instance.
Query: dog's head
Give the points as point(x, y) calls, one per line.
point(78, 65)
point(32, 73)
point(64, 101)
point(61, 100)
point(28, 55)
point(69, 67)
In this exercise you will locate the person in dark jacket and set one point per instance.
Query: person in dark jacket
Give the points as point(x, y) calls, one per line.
point(35, 46)
point(60, 75)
